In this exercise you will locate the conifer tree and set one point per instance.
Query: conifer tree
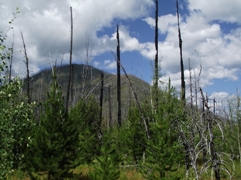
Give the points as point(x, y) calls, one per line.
point(106, 165)
point(162, 149)
point(54, 147)
point(86, 112)
point(135, 135)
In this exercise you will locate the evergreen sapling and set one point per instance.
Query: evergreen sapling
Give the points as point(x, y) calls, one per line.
point(55, 145)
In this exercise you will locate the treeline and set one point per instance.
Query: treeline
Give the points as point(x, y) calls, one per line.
point(164, 136)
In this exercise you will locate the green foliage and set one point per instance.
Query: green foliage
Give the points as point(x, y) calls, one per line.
point(15, 123)
point(106, 166)
point(162, 152)
point(4, 51)
point(135, 135)
point(232, 130)
point(55, 145)
point(15, 117)
point(86, 112)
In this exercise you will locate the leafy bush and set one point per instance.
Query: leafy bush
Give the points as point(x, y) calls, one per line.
point(16, 120)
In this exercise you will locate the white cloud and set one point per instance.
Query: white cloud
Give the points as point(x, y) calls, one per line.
point(221, 101)
point(96, 64)
point(222, 10)
point(127, 43)
point(219, 95)
point(164, 22)
point(148, 50)
point(110, 64)
point(46, 26)
point(204, 43)
point(107, 64)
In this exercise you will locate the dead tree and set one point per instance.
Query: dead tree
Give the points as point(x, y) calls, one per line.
point(72, 85)
point(156, 61)
point(27, 67)
point(85, 71)
point(110, 106)
point(118, 77)
point(214, 157)
point(101, 94)
point(70, 61)
point(137, 103)
point(181, 59)
point(197, 135)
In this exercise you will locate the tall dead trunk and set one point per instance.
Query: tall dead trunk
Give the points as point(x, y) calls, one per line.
point(27, 67)
point(70, 60)
point(110, 106)
point(156, 61)
point(214, 157)
point(137, 103)
point(118, 77)
point(72, 85)
point(181, 59)
point(101, 94)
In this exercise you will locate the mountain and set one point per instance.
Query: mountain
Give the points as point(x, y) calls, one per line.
point(87, 81)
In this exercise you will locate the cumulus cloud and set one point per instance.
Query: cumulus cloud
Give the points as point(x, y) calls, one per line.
point(164, 22)
point(219, 95)
point(222, 10)
point(106, 65)
point(46, 26)
point(110, 64)
point(204, 43)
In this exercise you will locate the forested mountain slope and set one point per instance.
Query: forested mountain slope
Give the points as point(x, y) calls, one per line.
point(86, 82)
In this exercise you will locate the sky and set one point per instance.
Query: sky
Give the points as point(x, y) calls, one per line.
point(211, 34)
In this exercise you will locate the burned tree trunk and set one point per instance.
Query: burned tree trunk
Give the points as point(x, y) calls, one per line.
point(70, 61)
point(137, 103)
point(110, 106)
point(156, 61)
point(27, 66)
point(101, 95)
point(210, 122)
point(181, 59)
point(118, 77)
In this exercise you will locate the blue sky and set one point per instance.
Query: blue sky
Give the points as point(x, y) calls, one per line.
point(211, 37)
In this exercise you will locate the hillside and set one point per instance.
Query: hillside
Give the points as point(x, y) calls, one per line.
point(86, 81)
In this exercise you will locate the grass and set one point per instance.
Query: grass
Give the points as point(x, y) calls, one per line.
point(81, 173)
point(125, 174)
point(130, 173)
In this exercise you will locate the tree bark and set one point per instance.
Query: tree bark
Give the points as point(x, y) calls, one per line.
point(101, 95)
point(70, 61)
point(27, 66)
point(110, 106)
point(118, 77)
point(138, 104)
point(181, 59)
point(156, 62)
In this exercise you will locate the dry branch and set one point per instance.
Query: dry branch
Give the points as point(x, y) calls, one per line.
point(27, 66)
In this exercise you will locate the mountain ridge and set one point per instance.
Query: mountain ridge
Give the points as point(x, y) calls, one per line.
point(86, 81)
